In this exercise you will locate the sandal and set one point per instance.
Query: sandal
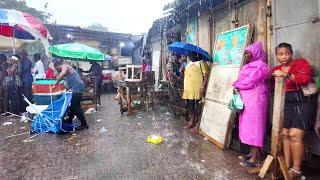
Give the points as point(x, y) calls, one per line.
point(244, 157)
point(295, 174)
point(248, 164)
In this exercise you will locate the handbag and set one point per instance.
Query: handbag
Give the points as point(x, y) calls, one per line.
point(236, 103)
point(309, 89)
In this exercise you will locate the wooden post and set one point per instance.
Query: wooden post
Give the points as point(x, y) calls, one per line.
point(262, 23)
point(269, 31)
point(277, 117)
point(129, 100)
point(284, 168)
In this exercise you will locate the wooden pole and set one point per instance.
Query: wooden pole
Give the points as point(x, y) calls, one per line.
point(269, 31)
point(277, 118)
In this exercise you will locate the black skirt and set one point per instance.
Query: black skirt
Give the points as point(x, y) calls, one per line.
point(299, 111)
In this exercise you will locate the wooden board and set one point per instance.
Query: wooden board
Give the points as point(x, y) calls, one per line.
point(214, 122)
point(284, 168)
point(216, 117)
point(266, 165)
point(220, 83)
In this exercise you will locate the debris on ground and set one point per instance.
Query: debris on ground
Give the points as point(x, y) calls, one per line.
point(155, 139)
point(90, 111)
point(103, 129)
point(99, 120)
point(27, 140)
point(7, 123)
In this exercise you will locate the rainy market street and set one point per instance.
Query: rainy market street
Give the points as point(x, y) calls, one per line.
point(115, 147)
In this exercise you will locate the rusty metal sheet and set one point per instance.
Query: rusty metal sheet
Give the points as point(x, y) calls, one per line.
point(290, 12)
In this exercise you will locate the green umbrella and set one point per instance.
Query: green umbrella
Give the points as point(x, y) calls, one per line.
point(77, 51)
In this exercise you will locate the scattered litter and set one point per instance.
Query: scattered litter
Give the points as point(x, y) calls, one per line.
point(183, 151)
point(90, 111)
point(74, 134)
point(139, 123)
point(103, 129)
point(203, 160)
point(138, 117)
point(77, 144)
point(206, 139)
point(71, 138)
point(155, 139)
point(167, 113)
point(27, 140)
point(25, 118)
point(99, 120)
point(72, 178)
point(22, 127)
point(17, 135)
point(7, 123)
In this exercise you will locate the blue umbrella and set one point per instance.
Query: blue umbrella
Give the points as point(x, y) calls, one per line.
point(50, 120)
point(186, 49)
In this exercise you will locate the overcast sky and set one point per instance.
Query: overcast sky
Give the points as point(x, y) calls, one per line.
point(126, 16)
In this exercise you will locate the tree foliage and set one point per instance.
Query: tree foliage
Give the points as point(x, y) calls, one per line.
point(22, 6)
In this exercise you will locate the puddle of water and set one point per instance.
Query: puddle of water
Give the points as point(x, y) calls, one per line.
point(221, 174)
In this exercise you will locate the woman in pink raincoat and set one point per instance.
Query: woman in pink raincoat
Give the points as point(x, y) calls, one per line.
point(253, 87)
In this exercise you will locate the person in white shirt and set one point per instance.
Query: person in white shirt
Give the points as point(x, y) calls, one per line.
point(38, 70)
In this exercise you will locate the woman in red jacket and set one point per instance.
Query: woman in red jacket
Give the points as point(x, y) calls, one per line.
point(50, 73)
point(299, 111)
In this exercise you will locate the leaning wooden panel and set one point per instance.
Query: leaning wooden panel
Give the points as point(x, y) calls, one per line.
point(220, 83)
point(214, 122)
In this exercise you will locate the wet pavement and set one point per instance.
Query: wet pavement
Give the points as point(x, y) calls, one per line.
point(115, 147)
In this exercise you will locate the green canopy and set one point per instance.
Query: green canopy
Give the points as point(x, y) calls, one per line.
point(77, 51)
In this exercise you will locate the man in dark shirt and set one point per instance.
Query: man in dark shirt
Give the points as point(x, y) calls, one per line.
point(96, 76)
point(26, 77)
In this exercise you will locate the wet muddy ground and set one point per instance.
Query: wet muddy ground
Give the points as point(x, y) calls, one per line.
point(115, 147)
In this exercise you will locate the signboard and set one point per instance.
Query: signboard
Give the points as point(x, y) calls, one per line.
point(230, 46)
point(216, 117)
point(192, 31)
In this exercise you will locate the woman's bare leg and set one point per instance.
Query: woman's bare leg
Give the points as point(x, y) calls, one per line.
point(296, 138)
point(287, 147)
point(255, 154)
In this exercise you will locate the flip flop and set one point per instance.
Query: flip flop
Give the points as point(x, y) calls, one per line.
point(248, 164)
point(295, 174)
point(244, 157)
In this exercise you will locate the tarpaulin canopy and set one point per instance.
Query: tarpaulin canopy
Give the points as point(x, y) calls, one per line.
point(20, 28)
point(77, 51)
point(186, 49)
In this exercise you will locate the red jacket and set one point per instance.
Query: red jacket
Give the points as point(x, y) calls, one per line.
point(50, 74)
point(301, 70)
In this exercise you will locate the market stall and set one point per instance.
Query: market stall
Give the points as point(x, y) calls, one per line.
point(80, 52)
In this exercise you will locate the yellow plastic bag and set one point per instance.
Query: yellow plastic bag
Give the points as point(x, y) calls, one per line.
point(154, 139)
